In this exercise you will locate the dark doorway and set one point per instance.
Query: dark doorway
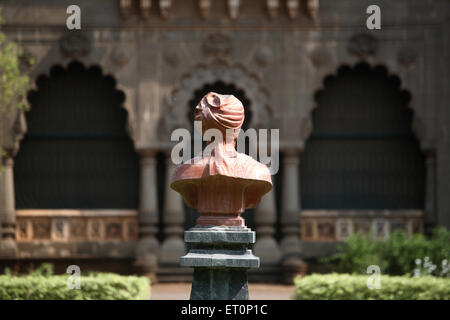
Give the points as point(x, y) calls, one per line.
point(222, 88)
point(76, 153)
point(362, 153)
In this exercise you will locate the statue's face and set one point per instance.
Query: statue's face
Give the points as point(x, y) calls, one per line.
point(222, 112)
point(211, 100)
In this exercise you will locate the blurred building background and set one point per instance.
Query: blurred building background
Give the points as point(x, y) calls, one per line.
point(364, 121)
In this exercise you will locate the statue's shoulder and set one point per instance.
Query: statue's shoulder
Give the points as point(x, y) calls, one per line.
point(190, 169)
point(253, 169)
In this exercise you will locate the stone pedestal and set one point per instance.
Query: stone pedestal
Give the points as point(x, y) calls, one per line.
point(220, 258)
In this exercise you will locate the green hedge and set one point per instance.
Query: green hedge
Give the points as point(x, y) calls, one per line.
point(354, 287)
point(400, 254)
point(100, 286)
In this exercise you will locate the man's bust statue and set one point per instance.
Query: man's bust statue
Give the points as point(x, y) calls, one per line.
point(222, 183)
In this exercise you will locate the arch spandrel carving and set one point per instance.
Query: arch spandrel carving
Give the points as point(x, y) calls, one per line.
point(238, 75)
point(418, 123)
point(118, 62)
point(13, 128)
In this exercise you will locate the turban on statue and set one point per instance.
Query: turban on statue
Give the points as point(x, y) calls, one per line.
point(221, 112)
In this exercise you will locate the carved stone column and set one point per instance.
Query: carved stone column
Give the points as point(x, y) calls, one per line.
point(173, 217)
point(12, 129)
point(430, 192)
point(266, 248)
point(290, 216)
point(148, 247)
point(8, 246)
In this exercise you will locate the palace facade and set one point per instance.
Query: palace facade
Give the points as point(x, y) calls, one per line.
point(364, 120)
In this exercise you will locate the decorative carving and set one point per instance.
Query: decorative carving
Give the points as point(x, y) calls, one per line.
point(217, 44)
point(18, 130)
point(337, 225)
point(201, 75)
point(272, 7)
point(132, 230)
point(380, 228)
point(233, 8)
point(145, 7)
point(398, 225)
point(171, 57)
point(293, 8)
point(362, 45)
point(326, 230)
point(320, 57)
point(164, 7)
point(308, 230)
point(363, 226)
point(59, 229)
point(312, 8)
point(205, 8)
point(22, 231)
point(407, 57)
point(42, 229)
point(95, 229)
point(76, 228)
point(120, 56)
point(113, 230)
point(126, 8)
point(344, 229)
point(263, 56)
point(75, 45)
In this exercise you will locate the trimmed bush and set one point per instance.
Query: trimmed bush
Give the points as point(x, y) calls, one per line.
point(398, 255)
point(94, 286)
point(336, 286)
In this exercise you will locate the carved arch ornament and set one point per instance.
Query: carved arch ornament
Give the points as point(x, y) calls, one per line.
point(393, 69)
point(43, 67)
point(250, 83)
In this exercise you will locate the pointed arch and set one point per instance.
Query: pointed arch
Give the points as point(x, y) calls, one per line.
point(77, 153)
point(362, 152)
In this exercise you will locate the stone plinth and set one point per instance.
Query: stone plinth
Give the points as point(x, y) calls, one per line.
point(220, 258)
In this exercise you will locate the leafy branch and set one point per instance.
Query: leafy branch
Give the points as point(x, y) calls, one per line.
point(14, 82)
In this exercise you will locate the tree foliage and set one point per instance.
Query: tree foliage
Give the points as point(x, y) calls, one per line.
point(14, 83)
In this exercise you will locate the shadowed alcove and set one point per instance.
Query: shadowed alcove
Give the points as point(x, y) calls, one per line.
point(76, 153)
point(362, 152)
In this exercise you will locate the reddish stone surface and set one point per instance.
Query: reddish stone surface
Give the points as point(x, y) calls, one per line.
point(222, 184)
point(221, 220)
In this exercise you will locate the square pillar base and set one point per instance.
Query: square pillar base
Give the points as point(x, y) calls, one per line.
point(220, 258)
